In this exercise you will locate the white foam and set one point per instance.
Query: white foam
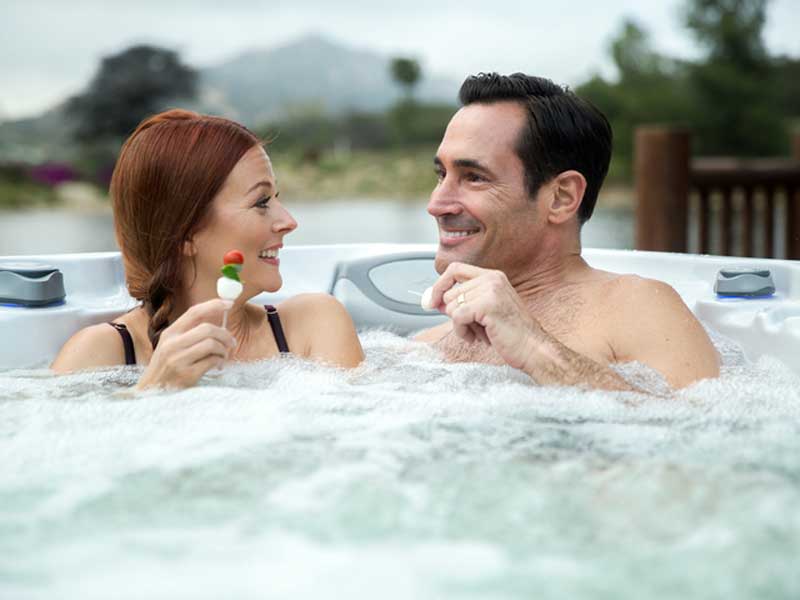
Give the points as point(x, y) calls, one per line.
point(407, 477)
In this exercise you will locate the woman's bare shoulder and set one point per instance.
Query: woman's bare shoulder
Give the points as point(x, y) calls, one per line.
point(310, 306)
point(94, 346)
point(304, 314)
point(318, 326)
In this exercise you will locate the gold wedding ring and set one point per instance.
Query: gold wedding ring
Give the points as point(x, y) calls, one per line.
point(461, 299)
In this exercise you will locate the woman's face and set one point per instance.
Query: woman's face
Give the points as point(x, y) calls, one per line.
point(246, 216)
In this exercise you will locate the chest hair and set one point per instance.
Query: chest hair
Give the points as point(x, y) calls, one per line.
point(561, 314)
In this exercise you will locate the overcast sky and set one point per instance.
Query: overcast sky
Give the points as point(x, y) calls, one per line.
point(49, 49)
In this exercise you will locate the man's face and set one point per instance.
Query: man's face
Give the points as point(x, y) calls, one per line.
point(485, 215)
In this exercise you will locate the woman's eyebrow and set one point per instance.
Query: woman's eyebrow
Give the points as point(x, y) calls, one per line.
point(264, 183)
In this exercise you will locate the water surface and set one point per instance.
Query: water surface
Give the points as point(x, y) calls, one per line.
point(406, 478)
point(329, 222)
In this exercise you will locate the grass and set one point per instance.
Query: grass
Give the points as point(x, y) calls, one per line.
point(15, 195)
point(404, 174)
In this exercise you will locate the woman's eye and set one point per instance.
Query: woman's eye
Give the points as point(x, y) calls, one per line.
point(263, 202)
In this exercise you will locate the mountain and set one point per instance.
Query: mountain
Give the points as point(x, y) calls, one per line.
point(258, 86)
point(47, 137)
point(263, 85)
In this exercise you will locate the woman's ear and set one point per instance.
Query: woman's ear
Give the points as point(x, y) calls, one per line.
point(189, 248)
point(568, 189)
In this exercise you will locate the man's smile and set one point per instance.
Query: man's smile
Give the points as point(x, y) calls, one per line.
point(452, 237)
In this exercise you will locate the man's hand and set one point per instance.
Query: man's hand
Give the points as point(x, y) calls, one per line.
point(486, 308)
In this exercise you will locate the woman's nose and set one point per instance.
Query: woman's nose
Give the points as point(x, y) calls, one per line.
point(284, 222)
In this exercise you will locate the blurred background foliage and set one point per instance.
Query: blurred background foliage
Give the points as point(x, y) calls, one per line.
point(736, 98)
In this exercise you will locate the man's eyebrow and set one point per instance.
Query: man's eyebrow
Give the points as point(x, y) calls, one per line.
point(469, 163)
point(263, 183)
point(464, 163)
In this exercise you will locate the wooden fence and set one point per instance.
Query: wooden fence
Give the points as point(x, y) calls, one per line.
point(745, 207)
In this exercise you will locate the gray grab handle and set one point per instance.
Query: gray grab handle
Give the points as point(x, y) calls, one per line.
point(31, 285)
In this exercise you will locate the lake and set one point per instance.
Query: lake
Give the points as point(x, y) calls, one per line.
point(55, 230)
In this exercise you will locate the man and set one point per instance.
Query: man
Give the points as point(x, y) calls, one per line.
point(520, 167)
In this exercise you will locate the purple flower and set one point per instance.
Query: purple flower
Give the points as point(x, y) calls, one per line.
point(52, 173)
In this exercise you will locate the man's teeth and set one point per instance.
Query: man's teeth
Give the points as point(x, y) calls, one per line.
point(458, 234)
point(268, 254)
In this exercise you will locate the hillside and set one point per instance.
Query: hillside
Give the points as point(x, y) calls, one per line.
point(311, 73)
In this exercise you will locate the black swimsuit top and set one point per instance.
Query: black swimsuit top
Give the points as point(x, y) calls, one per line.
point(272, 317)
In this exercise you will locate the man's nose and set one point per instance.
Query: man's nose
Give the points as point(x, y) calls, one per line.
point(444, 200)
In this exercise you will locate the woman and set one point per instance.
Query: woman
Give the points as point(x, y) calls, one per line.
point(188, 188)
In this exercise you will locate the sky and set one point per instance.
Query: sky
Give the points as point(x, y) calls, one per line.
point(49, 49)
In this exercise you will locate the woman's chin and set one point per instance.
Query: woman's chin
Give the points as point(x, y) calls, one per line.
point(254, 288)
point(273, 285)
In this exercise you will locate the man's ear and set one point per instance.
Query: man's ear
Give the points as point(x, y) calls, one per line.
point(567, 194)
point(189, 249)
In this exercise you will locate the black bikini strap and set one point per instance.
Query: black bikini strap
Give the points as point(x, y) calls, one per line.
point(277, 328)
point(127, 343)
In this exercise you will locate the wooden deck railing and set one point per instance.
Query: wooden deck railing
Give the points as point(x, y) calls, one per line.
point(749, 207)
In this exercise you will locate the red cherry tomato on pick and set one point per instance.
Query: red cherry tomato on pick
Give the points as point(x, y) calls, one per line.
point(234, 257)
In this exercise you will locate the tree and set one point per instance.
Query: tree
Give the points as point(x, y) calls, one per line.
point(787, 72)
point(735, 87)
point(407, 73)
point(650, 88)
point(128, 87)
point(730, 29)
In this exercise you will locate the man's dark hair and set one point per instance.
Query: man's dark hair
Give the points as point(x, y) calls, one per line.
point(563, 131)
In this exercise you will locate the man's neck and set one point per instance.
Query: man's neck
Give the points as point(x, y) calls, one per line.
point(550, 270)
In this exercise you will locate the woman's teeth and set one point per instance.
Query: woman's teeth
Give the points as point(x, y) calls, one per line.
point(268, 254)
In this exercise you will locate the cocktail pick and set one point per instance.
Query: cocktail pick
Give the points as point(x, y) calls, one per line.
point(229, 286)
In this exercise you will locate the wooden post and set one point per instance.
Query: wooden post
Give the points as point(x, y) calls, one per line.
point(661, 171)
point(793, 208)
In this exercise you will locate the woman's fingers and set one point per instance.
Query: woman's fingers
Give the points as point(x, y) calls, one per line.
point(201, 367)
point(210, 311)
point(200, 351)
point(202, 332)
point(190, 346)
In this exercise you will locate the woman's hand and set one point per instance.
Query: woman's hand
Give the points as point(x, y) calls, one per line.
point(189, 347)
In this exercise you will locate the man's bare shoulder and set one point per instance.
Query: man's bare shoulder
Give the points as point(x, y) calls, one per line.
point(651, 324)
point(636, 288)
point(634, 296)
point(434, 334)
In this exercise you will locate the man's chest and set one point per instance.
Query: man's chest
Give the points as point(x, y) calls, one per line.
point(575, 322)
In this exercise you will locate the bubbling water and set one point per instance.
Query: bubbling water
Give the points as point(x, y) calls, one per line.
point(408, 477)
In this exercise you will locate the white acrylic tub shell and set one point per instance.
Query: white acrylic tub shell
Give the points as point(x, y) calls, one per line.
point(96, 292)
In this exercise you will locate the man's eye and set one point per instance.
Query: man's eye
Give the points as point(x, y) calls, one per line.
point(439, 174)
point(474, 177)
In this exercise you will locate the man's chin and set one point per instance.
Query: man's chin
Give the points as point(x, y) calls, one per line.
point(445, 256)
